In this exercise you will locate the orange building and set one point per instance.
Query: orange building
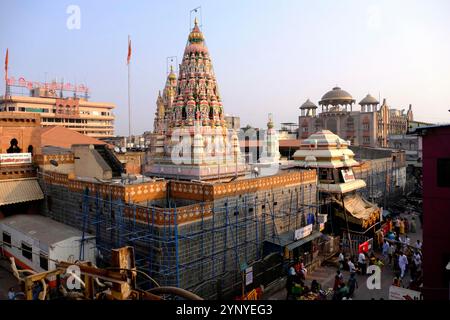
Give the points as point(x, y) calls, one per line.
point(94, 119)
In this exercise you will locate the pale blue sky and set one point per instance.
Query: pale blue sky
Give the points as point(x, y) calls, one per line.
point(269, 56)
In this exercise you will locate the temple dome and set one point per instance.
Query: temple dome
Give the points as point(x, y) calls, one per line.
point(368, 100)
point(308, 104)
point(324, 139)
point(336, 96)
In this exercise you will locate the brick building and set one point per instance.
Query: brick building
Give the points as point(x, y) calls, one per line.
point(369, 126)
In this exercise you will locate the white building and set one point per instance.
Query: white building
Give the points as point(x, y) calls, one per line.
point(36, 242)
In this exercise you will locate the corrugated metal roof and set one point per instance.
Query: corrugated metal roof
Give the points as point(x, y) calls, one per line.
point(41, 228)
point(23, 190)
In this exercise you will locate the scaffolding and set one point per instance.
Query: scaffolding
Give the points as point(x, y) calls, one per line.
point(200, 255)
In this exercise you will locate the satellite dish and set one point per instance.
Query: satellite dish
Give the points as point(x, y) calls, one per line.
point(123, 149)
point(117, 149)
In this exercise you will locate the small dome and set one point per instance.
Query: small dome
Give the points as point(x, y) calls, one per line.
point(172, 75)
point(196, 36)
point(337, 96)
point(368, 100)
point(308, 105)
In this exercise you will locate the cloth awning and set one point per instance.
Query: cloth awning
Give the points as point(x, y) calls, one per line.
point(359, 210)
point(286, 240)
point(20, 190)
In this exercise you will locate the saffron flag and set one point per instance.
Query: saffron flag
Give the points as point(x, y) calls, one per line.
point(129, 51)
point(6, 65)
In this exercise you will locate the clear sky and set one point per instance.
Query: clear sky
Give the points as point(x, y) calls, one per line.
point(268, 56)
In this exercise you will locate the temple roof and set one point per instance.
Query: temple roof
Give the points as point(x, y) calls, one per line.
point(324, 149)
point(308, 104)
point(368, 100)
point(336, 96)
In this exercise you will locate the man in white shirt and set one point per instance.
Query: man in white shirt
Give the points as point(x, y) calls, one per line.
point(362, 262)
point(407, 240)
point(351, 266)
point(341, 260)
point(418, 245)
point(417, 260)
point(402, 263)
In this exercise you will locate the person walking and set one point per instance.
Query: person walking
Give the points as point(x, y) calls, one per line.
point(11, 294)
point(413, 226)
point(385, 250)
point(397, 225)
point(402, 227)
point(341, 260)
point(351, 266)
point(402, 263)
point(352, 284)
point(391, 252)
point(362, 263)
point(338, 280)
point(418, 245)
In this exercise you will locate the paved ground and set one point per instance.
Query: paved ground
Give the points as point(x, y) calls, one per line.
point(325, 276)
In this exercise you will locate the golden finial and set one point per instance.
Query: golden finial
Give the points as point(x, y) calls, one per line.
point(171, 68)
point(196, 21)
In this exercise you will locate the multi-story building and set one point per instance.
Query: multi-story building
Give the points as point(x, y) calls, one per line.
point(436, 206)
point(370, 126)
point(94, 119)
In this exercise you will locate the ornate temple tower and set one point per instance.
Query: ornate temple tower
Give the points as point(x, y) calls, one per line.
point(196, 143)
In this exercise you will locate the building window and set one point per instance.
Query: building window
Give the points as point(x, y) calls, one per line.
point(365, 126)
point(6, 239)
point(43, 261)
point(304, 129)
point(11, 108)
point(27, 251)
point(366, 140)
point(443, 173)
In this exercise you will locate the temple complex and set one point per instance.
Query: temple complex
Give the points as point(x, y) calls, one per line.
point(332, 158)
point(191, 138)
point(370, 126)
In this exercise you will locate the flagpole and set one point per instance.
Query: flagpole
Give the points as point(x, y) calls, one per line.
point(6, 79)
point(129, 101)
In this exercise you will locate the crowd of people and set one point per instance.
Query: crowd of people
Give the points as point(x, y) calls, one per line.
point(395, 250)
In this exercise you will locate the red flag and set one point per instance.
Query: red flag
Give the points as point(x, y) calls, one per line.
point(129, 51)
point(6, 65)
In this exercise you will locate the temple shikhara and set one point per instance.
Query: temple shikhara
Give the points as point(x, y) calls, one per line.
point(191, 139)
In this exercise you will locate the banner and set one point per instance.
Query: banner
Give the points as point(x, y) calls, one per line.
point(347, 175)
point(303, 232)
point(15, 158)
point(398, 293)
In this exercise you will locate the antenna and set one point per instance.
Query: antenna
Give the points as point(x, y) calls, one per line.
point(195, 13)
point(170, 61)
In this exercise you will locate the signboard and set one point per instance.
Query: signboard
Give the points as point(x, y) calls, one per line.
point(303, 232)
point(248, 276)
point(22, 82)
point(398, 293)
point(15, 158)
point(347, 175)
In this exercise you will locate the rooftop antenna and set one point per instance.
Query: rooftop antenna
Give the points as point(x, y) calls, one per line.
point(172, 62)
point(195, 14)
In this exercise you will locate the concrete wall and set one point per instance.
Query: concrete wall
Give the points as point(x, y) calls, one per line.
point(90, 163)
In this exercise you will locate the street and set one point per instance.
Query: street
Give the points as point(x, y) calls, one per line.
point(325, 276)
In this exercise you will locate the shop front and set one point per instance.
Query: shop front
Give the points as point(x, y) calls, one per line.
point(302, 243)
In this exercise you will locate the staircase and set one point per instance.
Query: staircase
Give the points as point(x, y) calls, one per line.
point(116, 166)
